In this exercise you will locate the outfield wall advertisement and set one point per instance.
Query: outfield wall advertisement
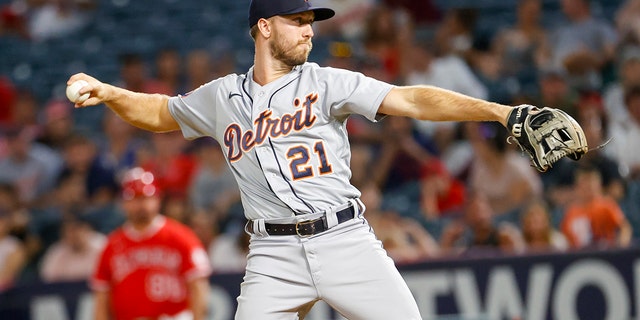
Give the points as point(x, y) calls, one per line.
point(582, 285)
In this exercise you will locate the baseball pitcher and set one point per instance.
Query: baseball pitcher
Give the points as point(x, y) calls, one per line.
point(281, 126)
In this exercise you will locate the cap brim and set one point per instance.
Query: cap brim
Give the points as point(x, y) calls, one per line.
point(322, 13)
point(319, 14)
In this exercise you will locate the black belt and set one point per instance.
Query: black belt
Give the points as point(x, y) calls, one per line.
point(305, 228)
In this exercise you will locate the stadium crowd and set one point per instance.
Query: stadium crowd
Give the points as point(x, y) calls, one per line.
point(432, 190)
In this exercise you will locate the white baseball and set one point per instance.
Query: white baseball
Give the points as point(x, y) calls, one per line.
point(73, 92)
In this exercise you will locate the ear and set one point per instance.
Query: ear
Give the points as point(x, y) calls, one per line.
point(264, 26)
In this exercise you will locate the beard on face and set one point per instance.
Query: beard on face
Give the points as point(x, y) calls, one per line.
point(140, 212)
point(140, 217)
point(290, 55)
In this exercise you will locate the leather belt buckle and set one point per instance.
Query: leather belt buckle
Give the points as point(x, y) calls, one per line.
point(303, 223)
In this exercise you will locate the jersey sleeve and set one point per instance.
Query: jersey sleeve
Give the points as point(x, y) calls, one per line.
point(101, 279)
point(195, 111)
point(353, 92)
point(195, 261)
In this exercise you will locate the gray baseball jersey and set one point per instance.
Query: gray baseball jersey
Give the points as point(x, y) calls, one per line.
point(286, 142)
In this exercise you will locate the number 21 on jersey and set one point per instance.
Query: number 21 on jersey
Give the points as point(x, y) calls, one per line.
point(299, 157)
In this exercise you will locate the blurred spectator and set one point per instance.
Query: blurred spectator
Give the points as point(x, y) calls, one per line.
point(171, 163)
point(489, 70)
point(627, 23)
point(168, 70)
point(423, 13)
point(522, 48)
point(628, 78)
point(68, 196)
point(455, 34)
point(401, 155)
point(25, 110)
point(537, 229)
point(56, 123)
point(554, 91)
point(20, 220)
point(204, 226)
point(455, 150)
point(387, 35)
point(363, 131)
point(227, 251)
point(503, 175)
point(82, 185)
point(361, 162)
point(441, 194)
point(593, 118)
point(82, 163)
point(106, 216)
point(584, 46)
point(134, 75)
point(12, 253)
point(177, 207)
point(476, 232)
point(75, 255)
point(96, 166)
point(451, 72)
point(349, 21)
point(199, 68)
point(17, 212)
point(594, 219)
point(213, 186)
point(373, 66)
point(404, 239)
point(21, 112)
point(118, 147)
point(30, 166)
point(625, 137)
point(225, 63)
point(13, 17)
point(57, 18)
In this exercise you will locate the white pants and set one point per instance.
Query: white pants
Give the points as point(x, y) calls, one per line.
point(346, 267)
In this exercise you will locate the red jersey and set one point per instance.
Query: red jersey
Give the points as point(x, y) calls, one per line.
point(147, 272)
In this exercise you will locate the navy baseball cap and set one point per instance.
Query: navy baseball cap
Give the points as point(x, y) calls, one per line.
point(268, 8)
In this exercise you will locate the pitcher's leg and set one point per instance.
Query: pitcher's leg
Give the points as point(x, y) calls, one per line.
point(264, 297)
point(277, 284)
point(360, 281)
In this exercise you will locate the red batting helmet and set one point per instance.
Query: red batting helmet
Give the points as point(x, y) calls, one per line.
point(138, 182)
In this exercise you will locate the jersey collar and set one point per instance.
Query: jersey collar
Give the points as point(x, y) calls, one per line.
point(294, 72)
point(158, 222)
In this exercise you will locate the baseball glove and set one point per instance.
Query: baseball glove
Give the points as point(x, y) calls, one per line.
point(546, 135)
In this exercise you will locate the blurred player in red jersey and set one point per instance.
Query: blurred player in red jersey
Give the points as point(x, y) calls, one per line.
point(152, 267)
